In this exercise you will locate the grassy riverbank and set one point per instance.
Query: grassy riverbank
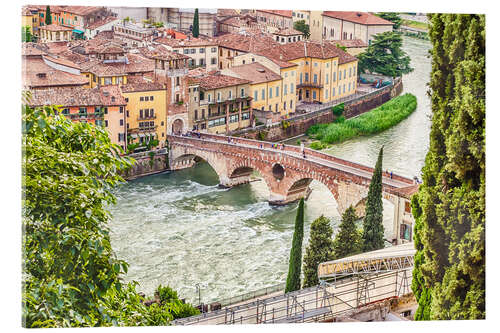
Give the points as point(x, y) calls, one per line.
point(374, 121)
point(415, 24)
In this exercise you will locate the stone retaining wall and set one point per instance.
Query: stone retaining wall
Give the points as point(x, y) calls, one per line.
point(145, 164)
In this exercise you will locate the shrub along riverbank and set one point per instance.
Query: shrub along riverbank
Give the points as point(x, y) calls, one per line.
point(375, 121)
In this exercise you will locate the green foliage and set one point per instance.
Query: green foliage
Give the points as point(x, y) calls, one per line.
point(385, 56)
point(48, 16)
point(71, 276)
point(339, 120)
point(373, 229)
point(293, 278)
point(166, 294)
point(342, 47)
point(372, 122)
point(319, 249)
point(338, 109)
point(26, 35)
point(196, 24)
point(348, 240)
point(393, 17)
point(449, 209)
point(131, 147)
point(261, 135)
point(415, 24)
point(285, 124)
point(302, 27)
point(318, 145)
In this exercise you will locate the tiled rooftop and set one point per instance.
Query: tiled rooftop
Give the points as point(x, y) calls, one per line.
point(217, 80)
point(55, 27)
point(186, 42)
point(255, 72)
point(37, 74)
point(284, 13)
point(358, 17)
point(139, 84)
point(246, 42)
point(77, 96)
point(101, 22)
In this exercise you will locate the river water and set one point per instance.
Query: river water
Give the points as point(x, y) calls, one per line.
point(180, 229)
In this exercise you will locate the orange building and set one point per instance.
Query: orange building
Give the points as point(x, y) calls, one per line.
point(103, 106)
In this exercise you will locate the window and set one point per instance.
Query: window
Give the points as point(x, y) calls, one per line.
point(234, 118)
point(315, 64)
point(285, 90)
point(121, 122)
point(333, 92)
point(177, 81)
point(141, 98)
point(209, 98)
point(186, 51)
point(314, 94)
point(242, 92)
point(65, 111)
point(230, 94)
point(270, 92)
point(105, 123)
point(217, 122)
point(300, 78)
point(326, 93)
point(326, 79)
point(202, 62)
point(214, 61)
point(214, 49)
point(340, 92)
point(150, 98)
point(334, 76)
point(286, 74)
point(263, 94)
point(107, 80)
point(291, 104)
point(245, 116)
point(350, 71)
point(218, 97)
point(343, 89)
point(344, 74)
point(83, 110)
point(315, 78)
point(195, 114)
point(202, 50)
point(141, 114)
point(340, 75)
point(255, 95)
point(349, 89)
point(105, 110)
point(307, 77)
point(284, 105)
point(291, 88)
point(276, 107)
point(277, 91)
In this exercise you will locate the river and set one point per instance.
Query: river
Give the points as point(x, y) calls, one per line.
point(180, 229)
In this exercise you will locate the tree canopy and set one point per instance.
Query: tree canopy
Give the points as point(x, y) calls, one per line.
point(348, 239)
point(373, 229)
point(385, 56)
point(295, 264)
point(393, 17)
point(26, 35)
point(319, 249)
point(302, 27)
point(449, 208)
point(196, 24)
point(48, 16)
point(71, 276)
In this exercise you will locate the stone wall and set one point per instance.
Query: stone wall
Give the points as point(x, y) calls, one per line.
point(298, 125)
point(147, 164)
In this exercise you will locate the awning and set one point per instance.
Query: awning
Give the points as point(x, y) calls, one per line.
point(141, 135)
point(78, 31)
point(134, 136)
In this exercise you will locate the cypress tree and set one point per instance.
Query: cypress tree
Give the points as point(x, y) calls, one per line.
point(449, 208)
point(196, 24)
point(293, 278)
point(348, 240)
point(48, 16)
point(320, 249)
point(373, 229)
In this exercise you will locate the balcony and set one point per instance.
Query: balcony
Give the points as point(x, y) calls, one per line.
point(142, 129)
point(146, 118)
point(310, 85)
point(85, 115)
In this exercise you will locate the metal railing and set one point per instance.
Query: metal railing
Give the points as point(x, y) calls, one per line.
point(318, 303)
point(253, 294)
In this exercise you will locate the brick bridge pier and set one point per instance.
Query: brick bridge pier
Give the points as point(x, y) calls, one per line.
point(285, 171)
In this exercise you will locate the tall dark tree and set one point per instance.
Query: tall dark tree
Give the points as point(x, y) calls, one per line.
point(348, 240)
point(26, 35)
point(320, 249)
point(302, 27)
point(385, 56)
point(449, 209)
point(393, 17)
point(293, 278)
point(373, 229)
point(48, 16)
point(196, 24)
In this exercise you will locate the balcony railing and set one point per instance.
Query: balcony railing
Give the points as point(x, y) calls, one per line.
point(142, 129)
point(146, 118)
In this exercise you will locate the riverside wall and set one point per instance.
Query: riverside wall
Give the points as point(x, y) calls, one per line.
point(147, 163)
point(298, 125)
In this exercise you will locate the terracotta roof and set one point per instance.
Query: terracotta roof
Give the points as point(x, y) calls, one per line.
point(37, 74)
point(139, 84)
point(56, 47)
point(61, 61)
point(139, 64)
point(302, 49)
point(55, 27)
point(79, 10)
point(109, 48)
point(216, 81)
point(285, 13)
point(185, 42)
point(32, 49)
point(78, 96)
point(255, 72)
point(358, 17)
point(288, 32)
point(161, 53)
point(246, 42)
point(406, 192)
point(349, 43)
point(101, 22)
point(221, 12)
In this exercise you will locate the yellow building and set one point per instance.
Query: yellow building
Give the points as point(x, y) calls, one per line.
point(324, 72)
point(30, 19)
point(221, 103)
point(55, 33)
point(269, 90)
point(146, 111)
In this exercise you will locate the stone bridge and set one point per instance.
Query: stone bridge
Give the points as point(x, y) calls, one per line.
point(286, 172)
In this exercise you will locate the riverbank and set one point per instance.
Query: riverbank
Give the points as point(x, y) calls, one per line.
point(372, 122)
